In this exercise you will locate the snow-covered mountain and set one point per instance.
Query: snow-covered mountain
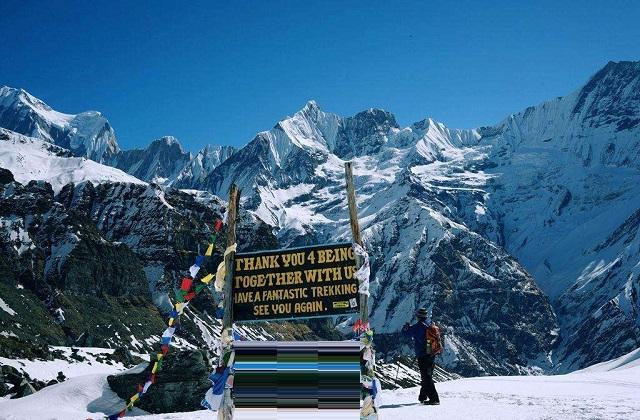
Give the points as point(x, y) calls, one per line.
point(160, 162)
point(522, 238)
point(564, 200)
point(90, 135)
point(89, 260)
point(204, 162)
point(293, 178)
point(165, 162)
point(556, 186)
point(86, 134)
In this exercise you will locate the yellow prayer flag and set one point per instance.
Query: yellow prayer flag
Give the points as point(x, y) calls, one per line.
point(209, 250)
point(155, 367)
point(134, 398)
point(206, 279)
point(170, 321)
point(179, 307)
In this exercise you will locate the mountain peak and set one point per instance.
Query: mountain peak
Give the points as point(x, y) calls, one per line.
point(611, 96)
point(311, 111)
point(166, 141)
point(423, 124)
point(377, 117)
point(311, 105)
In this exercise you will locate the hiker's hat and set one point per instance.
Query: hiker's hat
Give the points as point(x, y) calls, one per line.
point(422, 313)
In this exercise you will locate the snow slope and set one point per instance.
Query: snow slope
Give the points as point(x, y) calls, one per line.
point(82, 397)
point(610, 392)
point(630, 361)
point(32, 159)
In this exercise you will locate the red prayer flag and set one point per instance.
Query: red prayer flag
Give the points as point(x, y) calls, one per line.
point(189, 296)
point(186, 284)
point(218, 225)
point(357, 325)
point(165, 349)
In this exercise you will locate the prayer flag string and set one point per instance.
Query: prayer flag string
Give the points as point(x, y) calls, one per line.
point(184, 295)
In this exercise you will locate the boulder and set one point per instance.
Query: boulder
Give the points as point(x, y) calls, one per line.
point(10, 375)
point(180, 384)
point(6, 176)
point(23, 389)
point(124, 356)
point(4, 389)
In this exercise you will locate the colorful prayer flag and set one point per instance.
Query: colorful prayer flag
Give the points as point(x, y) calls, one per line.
point(199, 260)
point(186, 284)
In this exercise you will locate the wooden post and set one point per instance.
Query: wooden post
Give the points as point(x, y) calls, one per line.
point(232, 212)
point(355, 232)
point(226, 407)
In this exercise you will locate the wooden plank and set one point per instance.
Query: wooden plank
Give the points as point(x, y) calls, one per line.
point(355, 232)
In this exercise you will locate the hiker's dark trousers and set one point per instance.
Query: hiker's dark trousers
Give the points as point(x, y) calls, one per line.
point(427, 389)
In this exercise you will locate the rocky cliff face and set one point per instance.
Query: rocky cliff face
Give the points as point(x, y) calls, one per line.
point(56, 268)
point(92, 264)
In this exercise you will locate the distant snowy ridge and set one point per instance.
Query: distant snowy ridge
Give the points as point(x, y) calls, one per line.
point(32, 159)
point(90, 135)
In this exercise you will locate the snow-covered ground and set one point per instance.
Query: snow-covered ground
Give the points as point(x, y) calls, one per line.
point(32, 159)
point(608, 390)
point(45, 370)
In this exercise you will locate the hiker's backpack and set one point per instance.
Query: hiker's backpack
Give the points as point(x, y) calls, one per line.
point(433, 345)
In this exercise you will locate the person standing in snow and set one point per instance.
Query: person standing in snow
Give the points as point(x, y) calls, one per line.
point(427, 345)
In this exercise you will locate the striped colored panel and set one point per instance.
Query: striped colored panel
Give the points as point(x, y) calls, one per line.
point(297, 375)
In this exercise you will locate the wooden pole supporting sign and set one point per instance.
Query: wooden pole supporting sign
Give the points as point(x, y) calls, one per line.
point(355, 232)
point(226, 407)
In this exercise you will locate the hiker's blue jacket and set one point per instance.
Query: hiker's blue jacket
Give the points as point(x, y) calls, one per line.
point(418, 332)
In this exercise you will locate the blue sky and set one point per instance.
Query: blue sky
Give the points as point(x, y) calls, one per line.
point(214, 72)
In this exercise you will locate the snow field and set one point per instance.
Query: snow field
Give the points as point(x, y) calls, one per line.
point(609, 390)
